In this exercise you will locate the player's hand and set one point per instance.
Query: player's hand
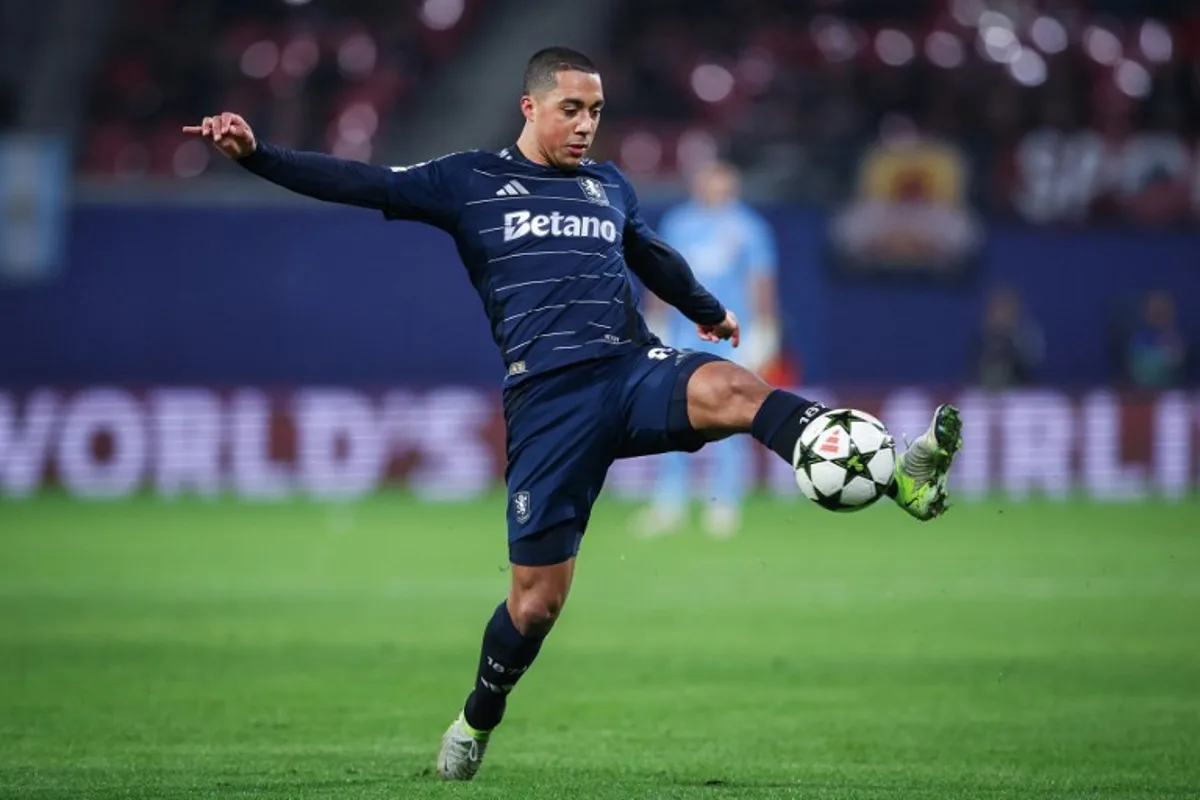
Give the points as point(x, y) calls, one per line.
point(727, 328)
point(228, 131)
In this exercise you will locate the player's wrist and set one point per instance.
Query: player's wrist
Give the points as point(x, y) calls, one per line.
point(711, 316)
point(258, 153)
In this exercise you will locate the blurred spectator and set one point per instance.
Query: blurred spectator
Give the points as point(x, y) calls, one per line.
point(732, 249)
point(1156, 352)
point(1009, 347)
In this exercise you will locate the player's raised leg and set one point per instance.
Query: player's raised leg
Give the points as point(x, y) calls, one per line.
point(724, 398)
point(511, 641)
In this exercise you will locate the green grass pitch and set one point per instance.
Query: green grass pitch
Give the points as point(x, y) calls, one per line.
point(194, 649)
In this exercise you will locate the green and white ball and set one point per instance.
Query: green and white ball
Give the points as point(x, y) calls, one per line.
point(844, 460)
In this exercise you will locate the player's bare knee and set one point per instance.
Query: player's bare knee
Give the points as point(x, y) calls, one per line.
point(537, 596)
point(535, 612)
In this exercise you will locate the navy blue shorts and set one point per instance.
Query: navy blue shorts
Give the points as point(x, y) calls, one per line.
point(566, 429)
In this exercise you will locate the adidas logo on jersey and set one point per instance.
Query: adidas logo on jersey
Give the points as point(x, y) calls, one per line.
point(519, 224)
point(511, 189)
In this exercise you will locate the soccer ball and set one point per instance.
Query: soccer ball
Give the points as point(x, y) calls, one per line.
point(844, 460)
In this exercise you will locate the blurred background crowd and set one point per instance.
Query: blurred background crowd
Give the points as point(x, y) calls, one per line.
point(1063, 109)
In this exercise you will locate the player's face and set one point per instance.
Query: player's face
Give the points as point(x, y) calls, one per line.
point(566, 117)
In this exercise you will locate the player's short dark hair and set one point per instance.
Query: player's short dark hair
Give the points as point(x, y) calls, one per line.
point(541, 73)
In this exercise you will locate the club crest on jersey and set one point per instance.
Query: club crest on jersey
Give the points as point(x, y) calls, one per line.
point(593, 190)
point(521, 507)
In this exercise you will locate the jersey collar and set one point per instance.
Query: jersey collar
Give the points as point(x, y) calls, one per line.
point(513, 153)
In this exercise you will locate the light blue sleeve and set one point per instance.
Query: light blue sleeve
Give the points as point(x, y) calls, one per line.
point(761, 253)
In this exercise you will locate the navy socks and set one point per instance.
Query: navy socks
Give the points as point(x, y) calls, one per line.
point(781, 418)
point(503, 659)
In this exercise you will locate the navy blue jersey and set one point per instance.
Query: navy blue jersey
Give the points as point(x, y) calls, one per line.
point(548, 251)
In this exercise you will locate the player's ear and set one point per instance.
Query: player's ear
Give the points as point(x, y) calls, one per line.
point(528, 107)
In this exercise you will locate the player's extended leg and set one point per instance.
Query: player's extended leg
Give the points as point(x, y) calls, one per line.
point(724, 398)
point(511, 641)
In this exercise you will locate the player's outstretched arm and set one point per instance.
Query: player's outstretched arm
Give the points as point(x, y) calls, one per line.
point(316, 175)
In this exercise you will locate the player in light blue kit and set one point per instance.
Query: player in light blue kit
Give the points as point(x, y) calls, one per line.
point(731, 249)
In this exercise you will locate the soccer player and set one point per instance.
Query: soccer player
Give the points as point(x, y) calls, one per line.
point(731, 249)
point(547, 237)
